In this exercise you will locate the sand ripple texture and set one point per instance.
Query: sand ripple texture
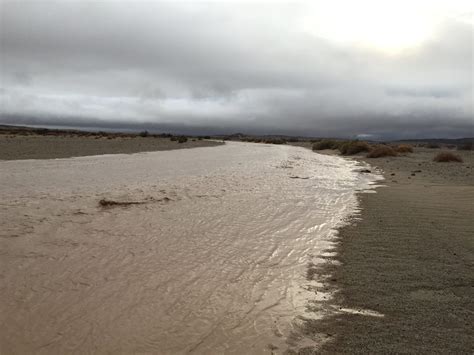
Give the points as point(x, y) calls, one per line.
point(211, 259)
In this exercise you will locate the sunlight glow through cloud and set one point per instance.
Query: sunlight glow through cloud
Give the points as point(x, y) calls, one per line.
point(389, 26)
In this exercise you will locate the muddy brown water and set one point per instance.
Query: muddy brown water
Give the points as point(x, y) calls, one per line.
point(210, 256)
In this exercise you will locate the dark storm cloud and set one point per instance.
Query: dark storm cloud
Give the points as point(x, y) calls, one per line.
point(232, 67)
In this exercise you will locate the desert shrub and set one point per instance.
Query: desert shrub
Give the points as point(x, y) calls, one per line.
point(161, 135)
point(433, 146)
point(466, 146)
point(326, 144)
point(41, 131)
point(253, 140)
point(275, 141)
point(143, 134)
point(207, 137)
point(382, 151)
point(354, 147)
point(173, 138)
point(445, 157)
point(404, 148)
point(182, 139)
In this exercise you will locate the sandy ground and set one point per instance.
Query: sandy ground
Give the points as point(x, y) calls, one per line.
point(405, 266)
point(14, 147)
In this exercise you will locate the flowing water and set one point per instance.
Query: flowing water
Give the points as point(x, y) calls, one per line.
point(211, 257)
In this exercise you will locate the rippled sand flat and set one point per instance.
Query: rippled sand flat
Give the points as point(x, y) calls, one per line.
point(211, 257)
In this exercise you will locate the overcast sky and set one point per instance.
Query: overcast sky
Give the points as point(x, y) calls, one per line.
point(385, 69)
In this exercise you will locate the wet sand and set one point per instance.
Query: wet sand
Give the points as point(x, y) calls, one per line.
point(405, 266)
point(202, 250)
point(14, 146)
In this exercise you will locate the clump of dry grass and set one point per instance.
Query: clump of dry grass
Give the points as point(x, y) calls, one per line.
point(354, 147)
point(445, 157)
point(404, 148)
point(275, 141)
point(326, 144)
point(252, 139)
point(382, 151)
point(466, 146)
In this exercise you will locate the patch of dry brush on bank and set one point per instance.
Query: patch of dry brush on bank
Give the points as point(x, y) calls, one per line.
point(354, 147)
point(179, 139)
point(446, 157)
point(382, 151)
point(404, 148)
point(326, 144)
point(264, 140)
point(466, 146)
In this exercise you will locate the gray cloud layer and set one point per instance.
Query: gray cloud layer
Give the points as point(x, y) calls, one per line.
point(240, 67)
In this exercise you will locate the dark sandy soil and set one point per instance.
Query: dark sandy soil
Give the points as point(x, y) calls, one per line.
point(409, 256)
point(14, 146)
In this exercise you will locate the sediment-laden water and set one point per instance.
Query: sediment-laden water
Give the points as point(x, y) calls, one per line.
point(211, 257)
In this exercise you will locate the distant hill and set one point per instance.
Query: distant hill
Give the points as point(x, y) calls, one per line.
point(457, 141)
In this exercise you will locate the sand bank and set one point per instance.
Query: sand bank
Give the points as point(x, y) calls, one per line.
point(15, 147)
point(406, 274)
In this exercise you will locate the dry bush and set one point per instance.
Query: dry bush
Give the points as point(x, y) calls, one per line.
point(466, 146)
point(251, 139)
point(404, 148)
point(354, 147)
point(382, 151)
point(445, 157)
point(433, 146)
point(275, 141)
point(326, 144)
